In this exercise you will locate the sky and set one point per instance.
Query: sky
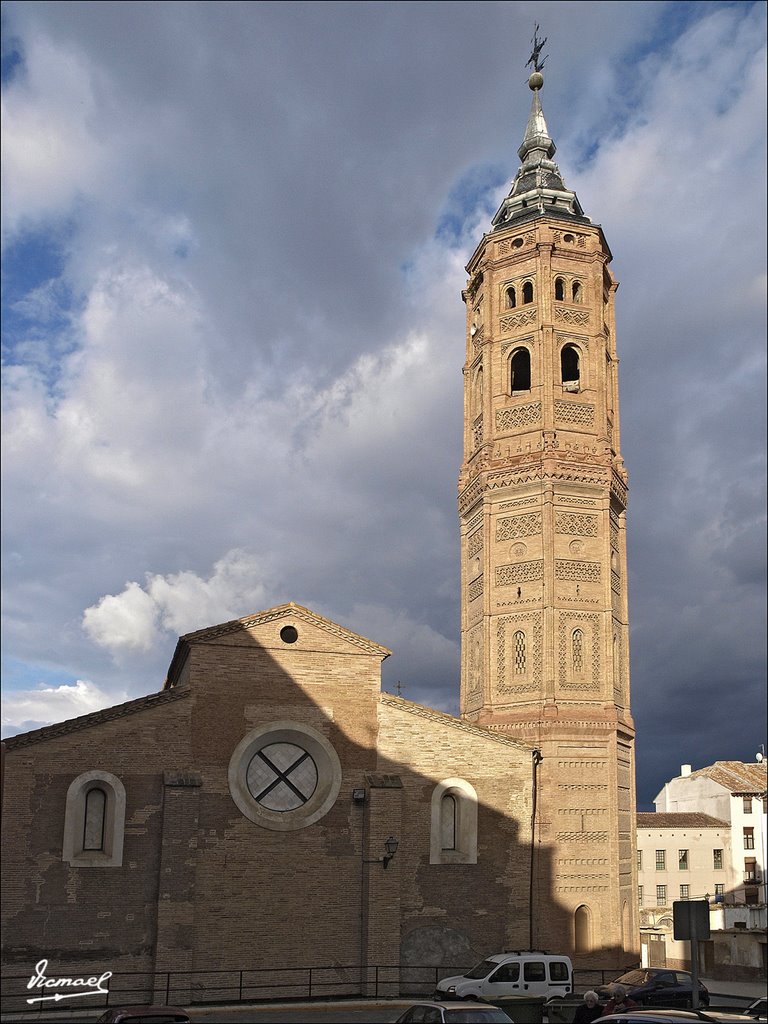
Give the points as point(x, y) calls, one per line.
point(234, 238)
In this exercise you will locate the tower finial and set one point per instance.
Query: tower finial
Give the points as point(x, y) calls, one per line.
point(536, 80)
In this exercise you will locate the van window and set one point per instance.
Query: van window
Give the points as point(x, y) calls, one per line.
point(535, 970)
point(481, 970)
point(558, 970)
point(507, 973)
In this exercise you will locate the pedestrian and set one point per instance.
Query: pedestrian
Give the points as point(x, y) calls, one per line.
point(589, 1010)
point(619, 1001)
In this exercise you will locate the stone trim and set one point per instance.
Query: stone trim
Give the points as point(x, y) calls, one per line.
point(52, 732)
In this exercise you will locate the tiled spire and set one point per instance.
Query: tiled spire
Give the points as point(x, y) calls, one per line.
point(538, 187)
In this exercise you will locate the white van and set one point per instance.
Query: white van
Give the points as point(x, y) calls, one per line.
point(514, 973)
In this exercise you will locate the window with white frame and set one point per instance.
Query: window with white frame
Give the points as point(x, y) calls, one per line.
point(749, 838)
point(94, 821)
point(685, 892)
point(661, 860)
point(661, 895)
point(453, 832)
point(717, 859)
point(747, 804)
point(682, 860)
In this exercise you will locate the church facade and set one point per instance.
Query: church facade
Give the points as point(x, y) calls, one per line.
point(271, 810)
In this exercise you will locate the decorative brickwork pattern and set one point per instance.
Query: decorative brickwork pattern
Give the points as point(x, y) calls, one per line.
point(525, 318)
point(523, 572)
point(509, 245)
point(515, 417)
point(518, 503)
point(578, 414)
point(515, 527)
point(476, 588)
point(518, 662)
point(573, 317)
point(567, 499)
point(577, 523)
point(475, 543)
point(578, 240)
point(569, 676)
point(582, 837)
point(477, 432)
point(581, 572)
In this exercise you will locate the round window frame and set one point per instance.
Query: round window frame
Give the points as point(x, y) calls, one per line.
point(328, 775)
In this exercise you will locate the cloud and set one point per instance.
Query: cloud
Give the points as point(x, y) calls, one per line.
point(232, 373)
point(178, 603)
point(33, 709)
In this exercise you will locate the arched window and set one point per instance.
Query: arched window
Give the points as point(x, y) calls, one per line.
point(527, 292)
point(582, 929)
point(511, 298)
point(559, 289)
point(479, 390)
point(520, 371)
point(448, 822)
point(453, 820)
point(95, 814)
point(569, 364)
point(577, 651)
point(94, 821)
point(576, 291)
point(519, 645)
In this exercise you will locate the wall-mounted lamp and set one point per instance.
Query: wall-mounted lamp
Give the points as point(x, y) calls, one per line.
point(358, 796)
point(390, 845)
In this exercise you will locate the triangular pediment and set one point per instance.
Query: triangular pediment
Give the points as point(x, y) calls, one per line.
point(254, 625)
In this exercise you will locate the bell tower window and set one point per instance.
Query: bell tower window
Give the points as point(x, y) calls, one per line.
point(569, 365)
point(559, 289)
point(576, 291)
point(527, 293)
point(520, 371)
point(511, 298)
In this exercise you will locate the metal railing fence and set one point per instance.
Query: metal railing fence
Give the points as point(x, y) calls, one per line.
point(252, 985)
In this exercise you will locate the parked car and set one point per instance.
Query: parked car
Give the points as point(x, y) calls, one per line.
point(453, 1013)
point(658, 986)
point(513, 973)
point(144, 1015)
point(673, 1016)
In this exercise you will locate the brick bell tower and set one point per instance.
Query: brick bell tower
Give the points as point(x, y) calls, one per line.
point(542, 506)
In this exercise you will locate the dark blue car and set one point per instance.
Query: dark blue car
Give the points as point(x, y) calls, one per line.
point(658, 986)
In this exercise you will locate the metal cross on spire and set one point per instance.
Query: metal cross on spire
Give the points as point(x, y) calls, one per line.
point(538, 46)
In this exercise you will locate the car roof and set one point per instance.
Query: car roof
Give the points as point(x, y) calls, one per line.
point(647, 1016)
point(464, 1004)
point(147, 1011)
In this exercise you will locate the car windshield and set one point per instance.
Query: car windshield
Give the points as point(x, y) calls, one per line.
point(477, 1015)
point(633, 978)
point(482, 969)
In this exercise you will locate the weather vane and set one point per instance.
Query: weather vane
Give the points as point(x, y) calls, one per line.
point(538, 46)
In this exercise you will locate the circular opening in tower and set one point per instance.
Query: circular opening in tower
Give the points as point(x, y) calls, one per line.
point(289, 634)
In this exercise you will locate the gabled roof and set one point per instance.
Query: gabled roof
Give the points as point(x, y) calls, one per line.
point(687, 819)
point(131, 707)
point(441, 718)
point(737, 777)
point(292, 611)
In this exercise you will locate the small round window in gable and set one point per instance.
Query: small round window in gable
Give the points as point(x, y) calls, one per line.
point(289, 634)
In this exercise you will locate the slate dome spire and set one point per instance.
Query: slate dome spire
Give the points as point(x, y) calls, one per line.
point(538, 187)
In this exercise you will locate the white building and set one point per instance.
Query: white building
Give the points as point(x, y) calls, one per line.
point(680, 856)
point(707, 840)
point(737, 793)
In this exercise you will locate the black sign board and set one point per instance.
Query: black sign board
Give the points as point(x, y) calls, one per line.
point(691, 919)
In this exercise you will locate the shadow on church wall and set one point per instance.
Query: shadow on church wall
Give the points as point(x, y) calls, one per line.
point(202, 887)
